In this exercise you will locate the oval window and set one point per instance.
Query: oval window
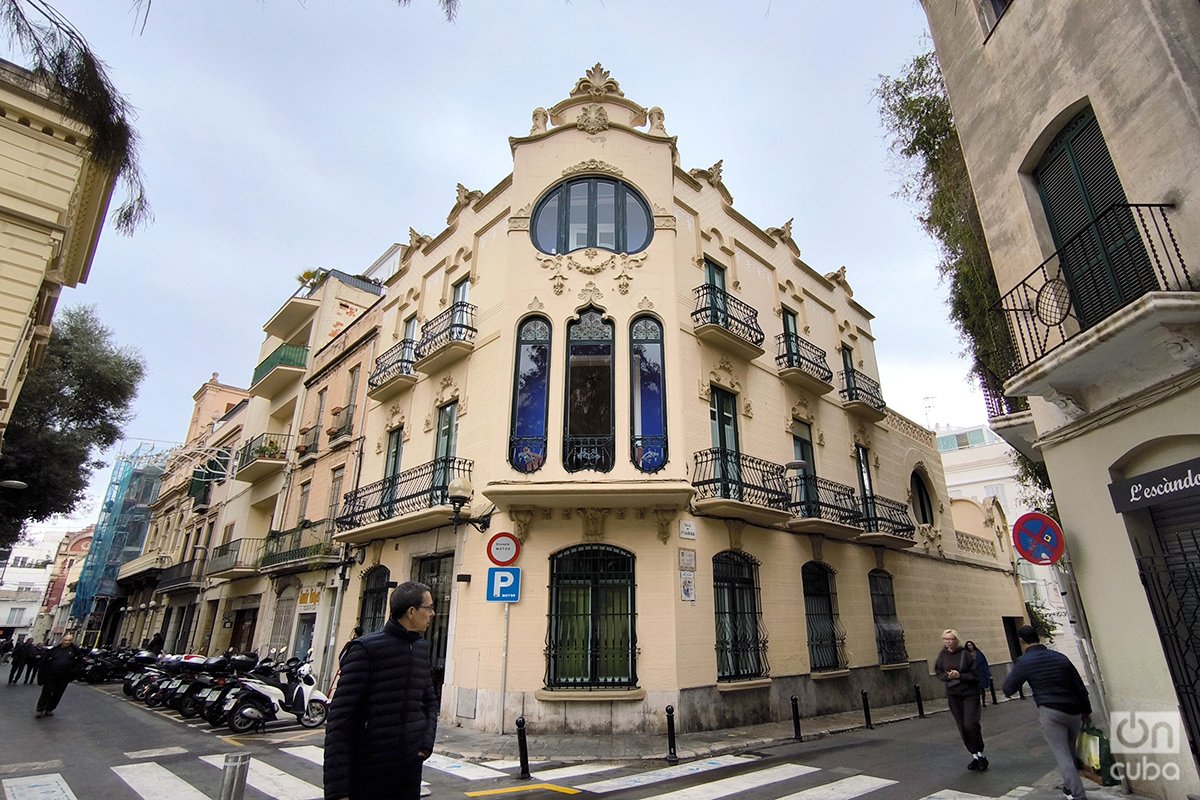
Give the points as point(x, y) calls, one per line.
point(592, 212)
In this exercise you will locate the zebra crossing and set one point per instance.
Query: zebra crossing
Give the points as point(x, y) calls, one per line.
point(293, 773)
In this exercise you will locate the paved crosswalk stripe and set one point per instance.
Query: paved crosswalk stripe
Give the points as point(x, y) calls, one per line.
point(463, 769)
point(507, 763)
point(951, 794)
point(845, 789)
point(154, 782)
point(274, 782)
point(157, 752)
point(738, 783)
point(38, 787)
point(309, 752)
point(31, 766)
point(664, 774)
point(572, 771)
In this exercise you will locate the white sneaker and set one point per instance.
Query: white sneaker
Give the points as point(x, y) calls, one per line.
point(425, 789)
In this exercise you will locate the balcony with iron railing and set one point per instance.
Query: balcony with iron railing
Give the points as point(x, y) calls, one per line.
point(284, 366)
point(308, 444)
point(1099, 304)
point(589, 453)
point(264, 455)
point(237, 559)
point(726, 322)
point(862, 395)
point(410, 501)
point(1009, 417)
point(341, 426)
point(447, 338)
point(309, 545)
point(733, 484)
point(886, 522)
point(802, 364)
point(819, 505)
point(147, 565)
point(187, 576)
point(393, 371)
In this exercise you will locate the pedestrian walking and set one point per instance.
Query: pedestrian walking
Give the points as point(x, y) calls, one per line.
point(1062, 702)
point(155, 645)
point(20, 659)
point(982, 670)
point(956, 668)
point(58, 668)
point(33, 662)
point(383, 718)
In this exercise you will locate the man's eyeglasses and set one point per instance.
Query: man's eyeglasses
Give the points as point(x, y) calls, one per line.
point(426, 608)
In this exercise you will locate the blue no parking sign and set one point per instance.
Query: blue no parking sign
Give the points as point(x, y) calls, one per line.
point(1038, 538)
point(504, 584)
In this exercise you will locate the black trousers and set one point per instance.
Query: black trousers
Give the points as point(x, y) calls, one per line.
point(14, 673)
point(52, 691)
point(966, 711)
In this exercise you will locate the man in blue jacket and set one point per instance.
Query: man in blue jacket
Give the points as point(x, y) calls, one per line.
point(1062, 701)
point(383, 716)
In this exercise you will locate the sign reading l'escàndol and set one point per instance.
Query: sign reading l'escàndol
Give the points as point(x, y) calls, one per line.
point(1160, 486)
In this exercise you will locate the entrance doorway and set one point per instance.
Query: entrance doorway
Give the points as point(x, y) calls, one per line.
point(244, 622)
point(436, 572)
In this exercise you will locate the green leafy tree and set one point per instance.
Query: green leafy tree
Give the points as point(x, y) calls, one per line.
point(1041, 621)
point(71, 407)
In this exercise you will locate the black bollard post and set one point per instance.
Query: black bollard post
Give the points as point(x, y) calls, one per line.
point(867, 710)
point(920, 703)
point(796, 718)
point(672, 758)
point(522, 748)
point(992, 686)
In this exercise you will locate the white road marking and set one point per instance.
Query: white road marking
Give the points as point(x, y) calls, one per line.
point(572, 771)
point(31, 766)
point(157, 753)
point(463, 769)
point(664, 774)
point(308, 752)
point(738, 783)
point(504, 763)
point(951, 794)
point(38, 787)
point(153, 782)
point(845, 789)
point(274, 782)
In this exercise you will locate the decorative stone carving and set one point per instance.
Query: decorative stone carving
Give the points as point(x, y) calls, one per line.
point(463, 199)
point(522, 519)
point(593, 165)
point(620, 513)
point(713, 176)
point(591, 293)
point(663, 219)
point(724, 375)
point(1182, 343)
point(817, 542)
point(735, 528)
point(1070, 407)
point(547, 514)
point(596, 82)
point(879, 551)
point(911, 429)
point(416, 241)
point(593, 523)
point(657, 117)
point(705, 391)
point(784, 234)
point(535, 304)
point(839, 279)
point(801, 410)
point(541, 118)
point(448, 392)
point(645, 304)
point(820, 438)
point(930, 538)
point(518, 223)
point(976, 545)
point(664, 517)
point(624, 263)
point(747, 409)
point(428, 423)
point(592, 119)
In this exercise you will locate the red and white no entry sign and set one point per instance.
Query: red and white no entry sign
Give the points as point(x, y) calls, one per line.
point(503, 549)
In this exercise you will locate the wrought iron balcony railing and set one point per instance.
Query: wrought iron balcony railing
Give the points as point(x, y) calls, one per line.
point(341, 423)
point(737, 476)
point(307, 541)
point(286, 355)
point(1125, 253)
point(715, 306)
point(884, 515)
point(798, 353)
point(412, 490)
point(649, 453)
point(238, 554)
point(184, 574)
point(819, 498)
point(595, 453)
point(860, 387)
point(993, 396)
point(309, 441)
point(265, 445)
point(455, 324)
point(397, 360)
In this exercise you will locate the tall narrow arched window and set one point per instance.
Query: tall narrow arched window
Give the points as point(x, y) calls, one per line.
point(889, 633)
point(588, 442)
point(531, 396)
point(647, 385)
point(741, 638)
point(826, 636)
point(373, 612)
point(591, 640)
point(922, 505)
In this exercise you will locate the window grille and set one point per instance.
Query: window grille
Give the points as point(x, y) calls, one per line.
point(590, 640)
point(741, 636)
point(826, 636)
point(889, 633)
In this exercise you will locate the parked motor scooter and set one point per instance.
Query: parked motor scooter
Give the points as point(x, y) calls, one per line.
point(260, 699)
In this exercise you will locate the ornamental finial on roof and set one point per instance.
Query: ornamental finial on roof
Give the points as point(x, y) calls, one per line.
point(596, 82)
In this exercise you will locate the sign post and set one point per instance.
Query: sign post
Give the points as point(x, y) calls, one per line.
point(504, 586)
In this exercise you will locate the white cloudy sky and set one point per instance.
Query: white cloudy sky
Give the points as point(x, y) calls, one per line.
point(281, 135)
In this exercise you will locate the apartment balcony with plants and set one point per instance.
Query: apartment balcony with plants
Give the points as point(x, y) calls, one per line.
point(263, 456)
point(309, 545)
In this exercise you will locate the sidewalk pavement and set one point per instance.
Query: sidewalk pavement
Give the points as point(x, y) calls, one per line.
point(473, 745)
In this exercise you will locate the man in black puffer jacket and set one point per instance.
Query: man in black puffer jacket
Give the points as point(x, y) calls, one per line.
point(383, 716)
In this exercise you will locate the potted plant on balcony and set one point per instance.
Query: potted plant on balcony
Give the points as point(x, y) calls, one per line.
point(268, 449)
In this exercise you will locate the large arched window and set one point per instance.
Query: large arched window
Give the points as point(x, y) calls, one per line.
point(922, 505)
point(591, 212)
point(588, 440)
point(889, 633)
point(647, 385)
point(373, 612)
point(531, 396)
point(741, 637)
point(590, 641)
point(826, 637)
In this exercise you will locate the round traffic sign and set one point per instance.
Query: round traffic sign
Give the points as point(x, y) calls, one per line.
point(503, 549)
point(1038, 538)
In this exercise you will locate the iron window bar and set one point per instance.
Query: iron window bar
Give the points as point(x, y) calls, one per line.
point(826, 636)
point(857, 386)
point(595, 453)
point(715, 306)
point(455, 324)
point(425, 486)
point(796, 352)
point(395, 361)
point(741, 637)
point(737, 476)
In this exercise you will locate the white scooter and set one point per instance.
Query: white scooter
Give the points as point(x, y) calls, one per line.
point(261, 698)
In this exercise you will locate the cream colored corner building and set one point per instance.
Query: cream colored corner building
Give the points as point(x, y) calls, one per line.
point(622, 365)
point(1078, 121)
point(53, 199)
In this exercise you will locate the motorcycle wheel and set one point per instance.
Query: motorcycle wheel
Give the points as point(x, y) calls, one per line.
point(127, 688)
point(142, 691)
point(239, 723)
point(215, 716)
point(314, 715)
point(154, 699)
point(189, 708)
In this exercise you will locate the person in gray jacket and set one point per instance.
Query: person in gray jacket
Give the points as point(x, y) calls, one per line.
point(1062, 702)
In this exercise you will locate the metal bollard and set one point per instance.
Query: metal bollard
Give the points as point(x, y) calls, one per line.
point(233, 778)
point(796, 718)
point(992, 686)
point(920, 703)
point(867, 710)
point(522, 748)
point(672, 757)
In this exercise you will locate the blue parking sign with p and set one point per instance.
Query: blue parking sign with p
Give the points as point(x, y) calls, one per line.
point(504, 584)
